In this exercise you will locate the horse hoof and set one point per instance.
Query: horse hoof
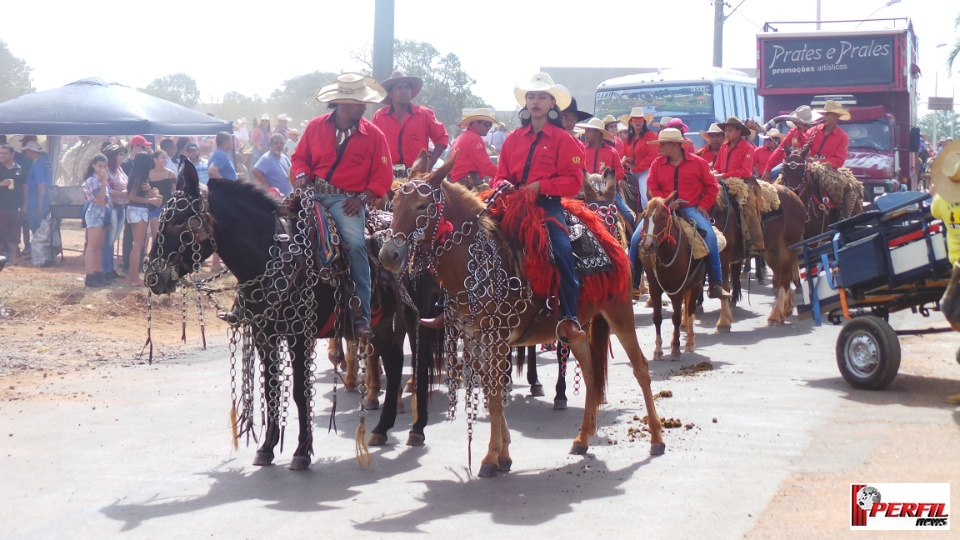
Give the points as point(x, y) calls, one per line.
point(675, 352)
point(263, 458)
point(579, 449)
point(377, 439)
point(415, 439)
point(658, 356)
point(350, 388)
point(689, 349)
point(504, 465)
point(537, 390)
point(657, 449)
point(401, 408)
point(559, 404)
point(371, 404)
point(488, 470)
point(300, 463)
point(723, 329)
point(774, 322)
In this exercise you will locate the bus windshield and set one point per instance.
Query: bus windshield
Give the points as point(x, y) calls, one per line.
point(869, 135)
point(685, 101)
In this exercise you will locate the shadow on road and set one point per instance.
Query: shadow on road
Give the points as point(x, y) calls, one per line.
point(907, 390)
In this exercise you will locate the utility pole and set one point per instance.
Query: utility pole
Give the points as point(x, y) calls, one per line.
point(718, 19)
point(383, 39)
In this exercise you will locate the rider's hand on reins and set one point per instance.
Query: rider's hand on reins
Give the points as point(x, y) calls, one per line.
point(533, 187)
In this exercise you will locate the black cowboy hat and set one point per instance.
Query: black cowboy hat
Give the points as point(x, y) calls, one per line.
point(581, 115)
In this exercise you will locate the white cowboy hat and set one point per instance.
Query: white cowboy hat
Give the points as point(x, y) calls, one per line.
point(542, 82)
point(805, 113)
point(416, 83)
point(774, 133)
point(636, 112)
point(669, 135)
point(352, 88)
point(478, 114)
point(714, 128)
point(832, 106)
point(664, 120)
point(282, 116)
point(265, 116)
point(621, 126)
point(33, 145)
point(597, 124)
point(609, 119)
point(945, 173)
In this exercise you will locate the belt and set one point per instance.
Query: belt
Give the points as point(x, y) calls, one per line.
point(322, 187)
point(400, 171)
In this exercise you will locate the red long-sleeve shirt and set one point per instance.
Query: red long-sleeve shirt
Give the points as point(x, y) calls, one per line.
point(556, 162)
point(419, 128)
point(619, 145)
point(707, 154)
point(735, 161)
point(695, 183)
point(786, 146)
point(365, 163)
point(642, 153)
point(471, 157)
point(829, 147)
point(763, 159)
point(601, 157)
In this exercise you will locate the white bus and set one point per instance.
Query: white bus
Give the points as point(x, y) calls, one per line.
point(699, 97)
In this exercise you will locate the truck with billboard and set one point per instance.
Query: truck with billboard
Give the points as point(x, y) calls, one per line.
point(873, 73)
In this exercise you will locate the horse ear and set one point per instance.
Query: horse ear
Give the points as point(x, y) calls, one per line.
point(441, 173)
point(421, 165)
point(188, 181)
point(609, 177)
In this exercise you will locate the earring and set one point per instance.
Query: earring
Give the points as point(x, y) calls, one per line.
point(553, 114)
point(524, 114)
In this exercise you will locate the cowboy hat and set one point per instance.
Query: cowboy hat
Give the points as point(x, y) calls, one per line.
point(293, 131)
point(714, 128)
point(581, 115)
point(542, 82)
point(284, 117)
point(264, 116)
point(669, 135)
point(832, 106)
point(416, 83)
point(945, 173)
point(805, 113)
point(609, 119)
point(352, 88)
point(636, 112)
point(478, 114)
point(773, 133)
point(664, 120)
point(734, 121)
point(597, 124)
point(33, 145)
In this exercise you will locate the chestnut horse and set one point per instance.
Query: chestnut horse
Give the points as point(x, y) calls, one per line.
point(821, 211)
point(667, 257)
point(489, 325)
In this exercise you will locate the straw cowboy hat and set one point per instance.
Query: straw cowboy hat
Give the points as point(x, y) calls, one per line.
point(734, 121)
point(352, 88)
point(597, 124)
point(284, 117)
point(416, 83)
point(669, 135)
point(664, 120)
point(478, 114)
point(834, 107)
point(636, 112)
point(805, 113)
point(542, 82)
point(609, 119)
point(265, 116)
point(293, 131)
point(714, 128)
point(774, 133)
point(581, 115)
point(945, 173)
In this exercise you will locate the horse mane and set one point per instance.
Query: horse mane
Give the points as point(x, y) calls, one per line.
point(655, 203)
point(250, 193)
point(469, 205)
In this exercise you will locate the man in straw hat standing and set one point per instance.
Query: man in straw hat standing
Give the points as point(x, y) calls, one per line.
point(735, 160)
point(409, 128)
point(612, 125)
point(473, 164)
point(945, 178)
point(793, 140)
point(679, 170)
point(347, 159)
point(600, 153)
point(713, 137)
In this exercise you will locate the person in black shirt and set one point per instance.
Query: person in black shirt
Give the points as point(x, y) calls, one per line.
point(12, 194)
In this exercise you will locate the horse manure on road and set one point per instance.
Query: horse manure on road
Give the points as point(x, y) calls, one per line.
point(696, 368)
point(663, 394)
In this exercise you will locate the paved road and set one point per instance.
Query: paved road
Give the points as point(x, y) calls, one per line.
point(775, 438)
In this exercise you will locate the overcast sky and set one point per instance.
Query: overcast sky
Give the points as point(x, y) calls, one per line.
point(253, 46)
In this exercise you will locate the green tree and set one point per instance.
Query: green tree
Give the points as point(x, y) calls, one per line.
point(446, 86)
point(16, 75)
point(947, 125)
point(235, 105)
point(178, 88)
point(297, 97)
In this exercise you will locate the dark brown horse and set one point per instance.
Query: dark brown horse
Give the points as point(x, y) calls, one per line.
point(490, 308)
point(667, 257)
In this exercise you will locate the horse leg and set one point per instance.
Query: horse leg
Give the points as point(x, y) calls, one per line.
point(371, 401)
point(621, 322)
point(272, 368)
point(588, 427)
point(725, 321)
point(300, 348)
point(677, 301)
point(392, 355)
point(497, 448)
point(655, 295)
point(689, 309)
point(560, 399)
point(421, 399)
point(530, 353)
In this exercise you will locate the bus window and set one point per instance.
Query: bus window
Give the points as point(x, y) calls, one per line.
point(719, 109)
point(731, 103)
point(741, 103)
point(748, 111)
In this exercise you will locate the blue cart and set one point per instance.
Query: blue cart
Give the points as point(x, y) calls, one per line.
point(889, 258)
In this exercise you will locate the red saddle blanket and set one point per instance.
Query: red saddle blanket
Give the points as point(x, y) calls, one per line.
point(522, 224)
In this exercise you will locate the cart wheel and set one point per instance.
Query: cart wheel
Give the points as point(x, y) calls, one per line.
point(868, 353)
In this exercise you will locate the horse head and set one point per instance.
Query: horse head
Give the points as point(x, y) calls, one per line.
point(656, 217)
point(416, 211)
point(794, 170)
point(185, 235)
point(600, 189)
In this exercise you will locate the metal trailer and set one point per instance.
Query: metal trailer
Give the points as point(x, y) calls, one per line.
point(889, 258)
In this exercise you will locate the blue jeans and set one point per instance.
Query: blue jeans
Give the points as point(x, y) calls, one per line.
point(622, 207)
point(634, 251)
point(775, 172)
point(115, 221)
point(562, 254)
point(713, 269)
point(354, 246)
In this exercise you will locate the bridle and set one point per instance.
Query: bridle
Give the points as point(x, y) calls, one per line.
point(192, 232)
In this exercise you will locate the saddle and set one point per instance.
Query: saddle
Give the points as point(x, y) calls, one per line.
point(599, 259)
point(697, 238)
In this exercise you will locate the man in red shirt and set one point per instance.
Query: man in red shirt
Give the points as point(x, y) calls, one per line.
point(829, 141)
point(612, 125)
point(409, 128)
point(347, 160)
point(735, 160)
point(601, 153)
point(473, 164)
point(713, 137)
point(794, 139)
point(764, 159)
point(678, 169)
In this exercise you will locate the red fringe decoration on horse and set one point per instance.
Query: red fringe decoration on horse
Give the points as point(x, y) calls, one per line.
point(522, 222)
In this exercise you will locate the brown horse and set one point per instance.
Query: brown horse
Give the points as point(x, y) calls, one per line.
point(805, 181)
point(782, 228)
point(491, 308)
point(667, 257)
point(599, 194)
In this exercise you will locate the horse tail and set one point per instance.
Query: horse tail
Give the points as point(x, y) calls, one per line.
point(599, 345)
